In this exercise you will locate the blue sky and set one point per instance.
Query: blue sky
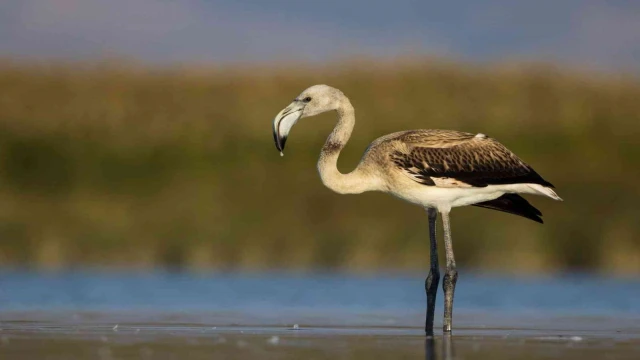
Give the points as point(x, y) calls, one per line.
point(592, 33)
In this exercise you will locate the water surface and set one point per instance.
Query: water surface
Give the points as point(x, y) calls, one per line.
point(279, 315)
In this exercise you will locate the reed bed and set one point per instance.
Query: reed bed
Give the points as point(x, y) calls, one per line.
point(115, 165)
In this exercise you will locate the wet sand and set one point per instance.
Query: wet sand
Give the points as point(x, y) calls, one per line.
point(134, 335)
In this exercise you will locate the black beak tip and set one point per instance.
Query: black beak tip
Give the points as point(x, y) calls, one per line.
point(282, 141)
point(279, 141)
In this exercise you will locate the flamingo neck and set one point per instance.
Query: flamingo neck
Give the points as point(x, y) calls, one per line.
point(354, 182)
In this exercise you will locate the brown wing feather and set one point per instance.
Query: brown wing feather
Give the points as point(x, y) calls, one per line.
point(454, 159)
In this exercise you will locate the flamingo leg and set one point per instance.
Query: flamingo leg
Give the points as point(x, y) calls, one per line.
point(450, 275)
point(431, 283)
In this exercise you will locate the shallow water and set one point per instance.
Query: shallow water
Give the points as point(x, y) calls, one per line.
point(278, 315)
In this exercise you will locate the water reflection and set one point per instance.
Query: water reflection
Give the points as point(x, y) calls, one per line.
point(430, 352)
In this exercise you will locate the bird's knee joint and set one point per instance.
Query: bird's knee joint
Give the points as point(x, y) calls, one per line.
point(432, 280)
point(452, 273)
point(450, 277)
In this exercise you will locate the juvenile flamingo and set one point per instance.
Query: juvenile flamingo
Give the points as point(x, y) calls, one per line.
point(435, 169)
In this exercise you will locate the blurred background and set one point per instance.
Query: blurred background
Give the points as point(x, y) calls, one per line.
point(137, 133)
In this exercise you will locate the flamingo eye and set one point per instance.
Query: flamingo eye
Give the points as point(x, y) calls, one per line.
point(307, 99)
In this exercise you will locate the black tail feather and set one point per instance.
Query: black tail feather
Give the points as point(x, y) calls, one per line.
point(513, 204)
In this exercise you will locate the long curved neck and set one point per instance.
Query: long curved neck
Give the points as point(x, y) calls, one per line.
point(354, 182)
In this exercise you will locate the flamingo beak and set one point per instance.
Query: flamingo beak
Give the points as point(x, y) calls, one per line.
point(283, 123)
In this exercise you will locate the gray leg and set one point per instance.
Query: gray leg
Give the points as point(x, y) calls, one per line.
point(450, 276)
point(431, 284)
